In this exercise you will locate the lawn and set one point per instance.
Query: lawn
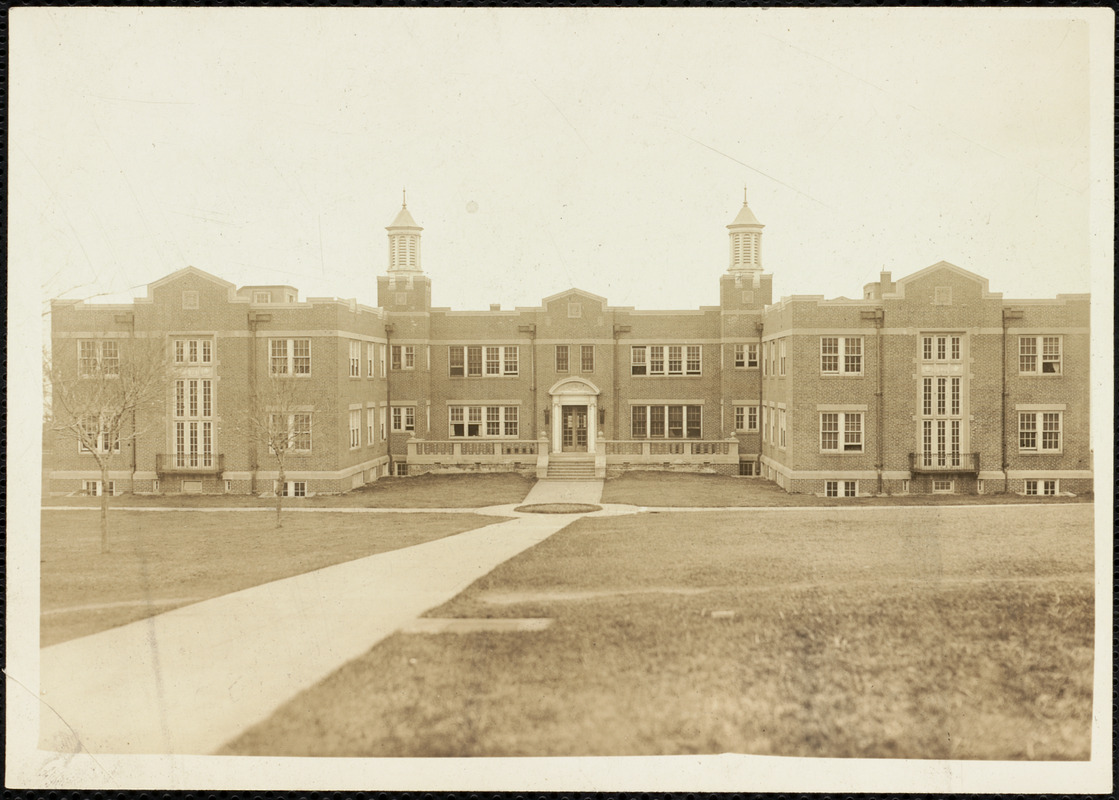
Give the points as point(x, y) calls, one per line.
point(908, 633)
point(422, 491)
point(720, 491)
point(160, 561)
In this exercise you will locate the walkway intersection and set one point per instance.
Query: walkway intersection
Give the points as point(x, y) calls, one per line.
point(189, 680)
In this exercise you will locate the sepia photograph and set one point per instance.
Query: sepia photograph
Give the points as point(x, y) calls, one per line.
point(560, 399)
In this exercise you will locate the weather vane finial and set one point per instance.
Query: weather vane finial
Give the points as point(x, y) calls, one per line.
point(404, 191)
point(743, 194)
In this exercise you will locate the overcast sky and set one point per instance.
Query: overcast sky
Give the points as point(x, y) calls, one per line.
point(543, 149)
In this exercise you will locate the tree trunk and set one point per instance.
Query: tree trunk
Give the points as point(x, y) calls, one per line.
point(104, 506)
point(280, 498)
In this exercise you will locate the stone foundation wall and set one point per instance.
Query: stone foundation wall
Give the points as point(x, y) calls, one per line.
point(525, 468)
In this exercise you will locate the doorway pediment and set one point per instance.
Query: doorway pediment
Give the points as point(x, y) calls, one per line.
point(573, 386)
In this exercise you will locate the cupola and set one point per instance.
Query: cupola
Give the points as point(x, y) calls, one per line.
point(745, 241)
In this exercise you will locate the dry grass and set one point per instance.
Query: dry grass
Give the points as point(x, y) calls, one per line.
point(722, 491)
point(160, 561)
point(422, 491)
point(915, 633)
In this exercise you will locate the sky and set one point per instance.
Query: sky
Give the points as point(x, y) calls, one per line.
point(543, 149)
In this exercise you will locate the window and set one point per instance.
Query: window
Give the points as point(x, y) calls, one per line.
point(403, 356)
point(940, 347)
point(1049, 423)
point(369, 360)
point(101, 432)
point(401, 468)
point(1048, 488)
point(841, 488)
point(746, 469)
point(586, 358)
point(194, 351)
point(94, 488)
point(1049, 348)
point(404, 418)
point(475, 360)
point(746, 418)
point(940, 486)
point(292, 431)
point(370, 426)
point(841, 355)
point(781, 357)
point(355, 428)
point(355, 359)
point(291, 488)
point(489, 421)
point(656, 359)
point(562, 352)
point(841, 432)
point(193, 426)
point(666, 422)
point(381, 349)
point(98, 357)
point(384, 421)
point(190, 300)
point(290, 356)
point(746, 356)
point(262, 297)
point(227, 486)
point(781, 427)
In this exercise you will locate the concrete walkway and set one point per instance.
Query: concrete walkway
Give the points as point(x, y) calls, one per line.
point(189, 680)
point(550, 491)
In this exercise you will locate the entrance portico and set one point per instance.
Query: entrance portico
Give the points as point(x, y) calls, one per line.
point(574, 416)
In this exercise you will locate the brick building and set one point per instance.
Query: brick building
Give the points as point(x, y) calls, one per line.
point(930, 383)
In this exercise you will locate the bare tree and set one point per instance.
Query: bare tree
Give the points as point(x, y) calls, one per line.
point(278, 422)
point(109, 398)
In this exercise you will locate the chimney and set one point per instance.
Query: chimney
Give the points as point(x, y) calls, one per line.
point(495, 306)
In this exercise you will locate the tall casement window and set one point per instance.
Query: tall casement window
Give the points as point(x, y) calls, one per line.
point(746, 356)
point(298, 428)
point(98, 357)
point(290, 356)
point(1039, 431)
point(672, 359)
point(563, 353)
point(403, 418)
point(369, 360)
point(1039, 355)
point(403, 356)
point(473, 361)
point(940, 347)
point(666, 422)
point(484, 421)
point(381, 350)
point(781, 353)
point(586, 358)
point(781, 427)
point(746, 418)
point(942, 422)
point(355, 359)
point(841, 432)
point(841, 355)
point(370, 426)
point(193, 423)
